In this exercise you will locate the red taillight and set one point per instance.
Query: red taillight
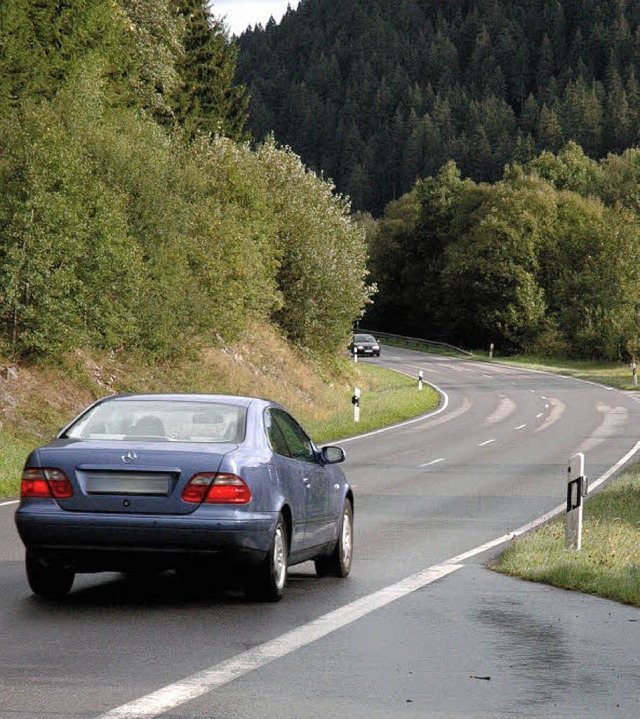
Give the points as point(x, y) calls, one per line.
point(197, 488)
point(214, 488)
point(45, 482)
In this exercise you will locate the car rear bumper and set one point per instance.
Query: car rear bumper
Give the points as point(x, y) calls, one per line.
point(99, 542)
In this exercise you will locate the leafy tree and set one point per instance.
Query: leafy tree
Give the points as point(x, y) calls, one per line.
point(491, 269)
point(594, 291)
point(319, 249)
point(570, 169)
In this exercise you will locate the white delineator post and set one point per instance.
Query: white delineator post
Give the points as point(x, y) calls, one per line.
point(420, 378)
point(491, 351)
point(576, 491)
point(356, 404)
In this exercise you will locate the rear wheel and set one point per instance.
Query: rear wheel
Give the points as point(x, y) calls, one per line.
point(338, 563)
point(50, 581)
point(268, 582)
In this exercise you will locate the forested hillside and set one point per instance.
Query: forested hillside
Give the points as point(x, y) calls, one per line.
point(544, 261)
point(377, 93)
point(132, 213)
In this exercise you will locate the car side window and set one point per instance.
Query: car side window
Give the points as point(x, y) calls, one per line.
point(276, 438)
point(300, 446)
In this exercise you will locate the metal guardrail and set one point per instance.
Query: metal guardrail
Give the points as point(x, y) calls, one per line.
point(417, 340)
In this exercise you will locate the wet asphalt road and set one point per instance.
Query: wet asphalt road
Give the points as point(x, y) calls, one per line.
point(471, 644)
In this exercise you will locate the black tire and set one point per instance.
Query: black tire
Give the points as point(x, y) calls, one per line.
point(338, 563)
point(267, 583)
point(50, 581)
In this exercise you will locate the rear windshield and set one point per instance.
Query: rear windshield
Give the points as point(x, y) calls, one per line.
point(161, 421)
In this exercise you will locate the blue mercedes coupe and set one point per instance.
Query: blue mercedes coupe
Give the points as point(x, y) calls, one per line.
point(210, 483)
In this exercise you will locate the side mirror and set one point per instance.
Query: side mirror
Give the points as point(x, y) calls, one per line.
point(332, 454)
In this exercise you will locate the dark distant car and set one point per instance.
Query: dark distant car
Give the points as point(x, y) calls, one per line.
point(199, 482)
point(365, 345)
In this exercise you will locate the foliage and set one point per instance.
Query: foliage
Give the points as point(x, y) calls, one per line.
point(322, 257)
point(544, 260)
point(377, 94)
point(120, 227)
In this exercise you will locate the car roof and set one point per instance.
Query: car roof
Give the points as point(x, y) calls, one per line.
point(169, 397)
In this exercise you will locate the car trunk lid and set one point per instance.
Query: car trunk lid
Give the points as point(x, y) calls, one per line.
point(141, 477)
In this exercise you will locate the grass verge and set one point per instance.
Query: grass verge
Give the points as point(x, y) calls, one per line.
point(389, 397)
point(612, 374)
point(608, 565)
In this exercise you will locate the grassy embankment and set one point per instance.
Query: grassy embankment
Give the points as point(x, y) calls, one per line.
point(39, 400)
point(608, 564)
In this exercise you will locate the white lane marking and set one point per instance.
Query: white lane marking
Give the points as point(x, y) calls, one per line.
point(460, 558)
point(505, 407)
point(520, 426)
point(540, 414)
point(433, 461)
point(422, 418)
point(201, 683)
point(7, 504)
point(557, 410)
point(484, 444)
point(464, 407)
point(614, 419)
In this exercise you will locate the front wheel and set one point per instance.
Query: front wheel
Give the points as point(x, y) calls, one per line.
point(268, 582)
point(338, 563)
point(50, 581)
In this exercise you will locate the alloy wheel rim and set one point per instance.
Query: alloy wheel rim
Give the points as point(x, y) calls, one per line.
point(346, 538)
point(279, 558)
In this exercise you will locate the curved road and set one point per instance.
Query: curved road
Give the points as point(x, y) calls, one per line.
point(419, 629)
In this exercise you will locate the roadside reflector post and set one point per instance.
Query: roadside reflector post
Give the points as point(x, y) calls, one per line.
point(491, 351)
point(576, 491)
point(355, 354)
point(355, 400)
point(634, 370)
point(420, 378)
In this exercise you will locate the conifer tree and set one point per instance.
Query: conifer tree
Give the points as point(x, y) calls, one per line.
point(207, 101)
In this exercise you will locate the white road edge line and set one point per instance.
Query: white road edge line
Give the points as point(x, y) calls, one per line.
point(6, 504)
point(201, 683)
point(520, 426)
point(484, 444)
